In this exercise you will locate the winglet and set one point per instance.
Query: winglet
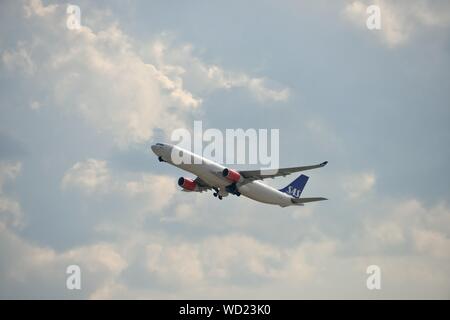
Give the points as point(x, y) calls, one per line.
point(323, 164)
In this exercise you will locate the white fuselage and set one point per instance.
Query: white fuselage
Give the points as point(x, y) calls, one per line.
point(211, 173)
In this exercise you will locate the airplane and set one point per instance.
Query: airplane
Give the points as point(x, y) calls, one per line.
point(225, 181)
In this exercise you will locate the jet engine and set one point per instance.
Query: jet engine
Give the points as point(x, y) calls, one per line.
point(231, 175)
point(187, 184)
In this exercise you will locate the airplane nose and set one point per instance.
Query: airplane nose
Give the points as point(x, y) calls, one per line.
point(154, 148)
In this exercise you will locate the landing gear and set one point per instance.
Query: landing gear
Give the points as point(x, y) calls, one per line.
point(220, 197)
point(161, 159)
point(215, 194)
point(232, 188)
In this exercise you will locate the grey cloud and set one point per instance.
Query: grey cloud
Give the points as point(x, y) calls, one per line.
point(91, 193)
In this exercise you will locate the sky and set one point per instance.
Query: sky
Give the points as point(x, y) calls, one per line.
point(79, 185)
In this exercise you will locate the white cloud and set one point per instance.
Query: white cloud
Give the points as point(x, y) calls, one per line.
point(400, 20)
point(90, 175)
point(240, 265)
point(389, 233)
point(229, 259)
point(36, 7)
point(31, 271)
point(93, 256)
point(10, 209)
point(303, 212)
point(175, 265)
point(258, 87)
point(358, 185)
point(184, 211)
point(19, 58)
point(154, 192)
point(176, 89)
point(203, 77)
point(100, 74)
point(433, 243)
point(196, 247)
point(8, 171)
point(235, 256)
point(35, 105)
point(323, 135)
point(115, 90)
point(263, 93)
point(410, 226)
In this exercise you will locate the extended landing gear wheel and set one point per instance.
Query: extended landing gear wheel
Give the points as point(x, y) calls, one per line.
point(220, 197)
point(215, 194)
point(160, 159)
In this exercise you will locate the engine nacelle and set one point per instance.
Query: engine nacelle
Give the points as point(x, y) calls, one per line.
point(187, 184)
point(231, 175)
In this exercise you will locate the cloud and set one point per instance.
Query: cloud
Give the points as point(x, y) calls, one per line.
point(36, 7)
point(100, 73)
point(358, 185)
point(400, 20)
point(432, 242)
point(31, 271)
point(258, 87)
point(35, 105)
point(176, 89)
point(324, 135)
point(90, 175)
point(181, 63)
point(139, 264)
point(19, 59)
point(171, 264)
point(155, 190)
point(263, 93)
point(410, 227)
point(93, 256)
point(146, 239)
point(10, 209)
point(177, 265)
point(115, 90)
point(93, 176)
point(226, 261)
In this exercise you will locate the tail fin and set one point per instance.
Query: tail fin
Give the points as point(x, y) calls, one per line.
point(295, 188)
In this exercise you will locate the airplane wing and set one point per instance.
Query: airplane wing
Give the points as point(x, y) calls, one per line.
point(202, 185)
point(251, 175)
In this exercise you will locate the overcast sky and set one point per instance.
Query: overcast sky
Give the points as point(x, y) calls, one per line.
point(79, 110)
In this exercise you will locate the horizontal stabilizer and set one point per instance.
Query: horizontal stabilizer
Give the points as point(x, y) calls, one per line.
point(305, 200)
